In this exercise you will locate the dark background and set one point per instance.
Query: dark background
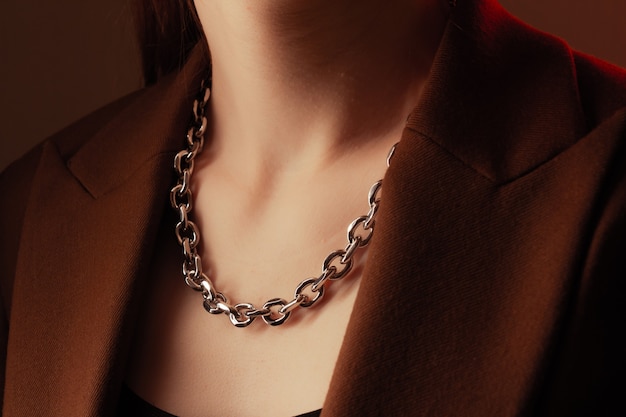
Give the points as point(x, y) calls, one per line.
point(63, 59)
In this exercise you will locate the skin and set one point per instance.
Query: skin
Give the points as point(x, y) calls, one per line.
point(308, 97)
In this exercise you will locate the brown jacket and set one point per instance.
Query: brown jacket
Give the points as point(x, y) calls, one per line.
point(495, 285)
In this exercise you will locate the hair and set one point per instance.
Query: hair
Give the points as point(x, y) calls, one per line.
point(167, 30)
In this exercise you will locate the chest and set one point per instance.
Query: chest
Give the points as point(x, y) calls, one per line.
point(189, 362)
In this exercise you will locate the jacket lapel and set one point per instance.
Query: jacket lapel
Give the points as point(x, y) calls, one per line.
point(74, 305)
point(448, 274)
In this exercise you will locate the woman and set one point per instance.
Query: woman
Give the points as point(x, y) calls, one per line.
point(493, 284)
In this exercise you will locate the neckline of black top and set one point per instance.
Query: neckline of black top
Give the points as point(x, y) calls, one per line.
point(132, 405)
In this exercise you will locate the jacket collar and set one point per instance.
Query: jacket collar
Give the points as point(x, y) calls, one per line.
point(500, 98)
point(152, 125)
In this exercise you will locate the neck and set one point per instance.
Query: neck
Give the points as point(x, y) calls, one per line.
point(295, 77)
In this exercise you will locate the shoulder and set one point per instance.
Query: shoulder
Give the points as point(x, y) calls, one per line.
point(602, 87)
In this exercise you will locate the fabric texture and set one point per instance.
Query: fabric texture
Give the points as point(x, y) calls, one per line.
point(495, 284)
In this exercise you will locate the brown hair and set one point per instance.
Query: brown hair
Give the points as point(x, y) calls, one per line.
point(167, 30)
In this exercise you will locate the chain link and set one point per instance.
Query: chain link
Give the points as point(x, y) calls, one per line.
point(277, 310)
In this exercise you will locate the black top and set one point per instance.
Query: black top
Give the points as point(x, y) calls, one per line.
point(132, 405)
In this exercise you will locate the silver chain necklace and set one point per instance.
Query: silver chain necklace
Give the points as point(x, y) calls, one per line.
point(275, 311)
